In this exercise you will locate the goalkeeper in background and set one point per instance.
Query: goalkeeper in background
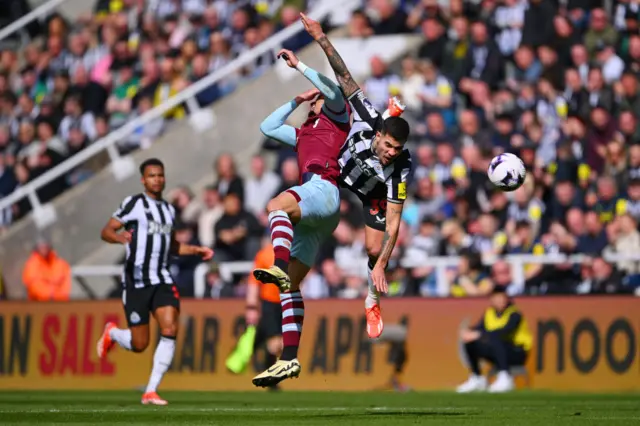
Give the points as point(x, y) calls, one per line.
point(263, 317)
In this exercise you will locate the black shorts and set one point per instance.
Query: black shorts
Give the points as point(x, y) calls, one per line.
point(375, 211)
point(139, 303)
point(270, 324)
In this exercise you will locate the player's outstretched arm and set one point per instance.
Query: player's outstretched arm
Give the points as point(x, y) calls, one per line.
point(273, 126)
point(334, 101)
point(393, 219)
point(348, 84)
point(181, 249)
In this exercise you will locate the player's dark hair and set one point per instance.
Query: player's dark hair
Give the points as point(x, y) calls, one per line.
point(150, 162)
point(397, 128)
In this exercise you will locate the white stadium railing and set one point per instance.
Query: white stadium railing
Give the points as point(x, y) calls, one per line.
point(37, 13)
point(440, 265)
point(45, 215)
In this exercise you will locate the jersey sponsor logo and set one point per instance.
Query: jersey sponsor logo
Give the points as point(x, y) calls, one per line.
point(159, 228)
point(402, 191)
point(367, 104)
point(366, 169)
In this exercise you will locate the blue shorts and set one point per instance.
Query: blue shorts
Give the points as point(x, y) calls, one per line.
point(320, 207)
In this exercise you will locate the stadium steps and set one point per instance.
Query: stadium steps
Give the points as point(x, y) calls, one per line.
point(189, 157)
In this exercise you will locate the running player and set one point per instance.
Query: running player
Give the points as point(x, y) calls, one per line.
point(313, 206)
point(374, 165)
point(144, 224)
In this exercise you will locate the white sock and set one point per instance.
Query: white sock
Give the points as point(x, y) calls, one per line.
point(503, 375)
point(373, 296)
point(162, 359)
point(121, 337)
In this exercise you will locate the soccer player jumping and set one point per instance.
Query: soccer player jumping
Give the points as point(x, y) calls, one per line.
point(313, 206)
point(374, 165)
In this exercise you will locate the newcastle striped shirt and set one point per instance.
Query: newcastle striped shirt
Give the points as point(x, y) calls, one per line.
point(147, 258)
point(360, 169)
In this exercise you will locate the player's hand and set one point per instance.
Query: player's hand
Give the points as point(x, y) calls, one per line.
point(312, 27)
point(380, 279)
point(289, 57)
point(125, 237)
point(469, 335)
point(307, 96)
point(205, 252)
point(251, 316)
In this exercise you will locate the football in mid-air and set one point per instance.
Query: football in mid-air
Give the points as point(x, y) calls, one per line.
point(507, 172)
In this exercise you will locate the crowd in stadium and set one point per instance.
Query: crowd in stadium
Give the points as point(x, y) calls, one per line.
point(553, 81)
point(80, 80)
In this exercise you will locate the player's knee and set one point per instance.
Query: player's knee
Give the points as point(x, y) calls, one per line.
point(169, 330)
point(373, 251)
point(139, 344)
point(274, 205)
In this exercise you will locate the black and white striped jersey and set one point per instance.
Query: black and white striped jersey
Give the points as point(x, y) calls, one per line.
point(360, 169)
point(151, 222)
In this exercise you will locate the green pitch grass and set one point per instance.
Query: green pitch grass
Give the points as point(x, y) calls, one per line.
point(331, 408)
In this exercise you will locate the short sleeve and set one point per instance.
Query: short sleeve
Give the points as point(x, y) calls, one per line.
point(125, 212)
point(397, 183)
point(363, 110)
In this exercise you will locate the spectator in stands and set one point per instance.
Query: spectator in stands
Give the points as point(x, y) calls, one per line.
point(359, 25)
point(625, 240)
point(260, 187)
point(228, 180)
point(471, 279)
point(606, 278)
point(454, 239)
point(390, 18)
point(46, 276)
point(594, 239)
point(237, 232)
point(600, 32)
point(381, 85)
point(73, 111)
point(217, 288)
point(211, 212)
point(183, 267)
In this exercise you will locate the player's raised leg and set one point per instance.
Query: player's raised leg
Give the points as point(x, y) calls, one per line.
point(283, 212)
point(319, 208)
point(135, 339)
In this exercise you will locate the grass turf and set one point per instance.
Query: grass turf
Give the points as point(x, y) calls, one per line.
point(314, 408)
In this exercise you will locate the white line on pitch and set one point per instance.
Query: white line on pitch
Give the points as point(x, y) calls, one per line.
point(221, 409)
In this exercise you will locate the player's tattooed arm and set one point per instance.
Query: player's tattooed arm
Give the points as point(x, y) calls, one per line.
point(394, 216)
point(348, 84)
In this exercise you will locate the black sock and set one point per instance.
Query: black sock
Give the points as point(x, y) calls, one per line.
point(289, 353)
point(282, 264)
point(270, 359)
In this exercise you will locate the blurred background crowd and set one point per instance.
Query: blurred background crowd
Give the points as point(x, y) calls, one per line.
point(553, 81)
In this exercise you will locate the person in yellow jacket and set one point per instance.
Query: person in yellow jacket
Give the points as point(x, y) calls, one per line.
point(501, 337)
point(45, 275)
